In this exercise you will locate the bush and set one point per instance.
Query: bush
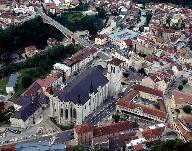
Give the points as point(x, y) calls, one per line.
point(180, 87)
point(187, 109)
point(26, 81)
point(116, 117)
point(184, 81)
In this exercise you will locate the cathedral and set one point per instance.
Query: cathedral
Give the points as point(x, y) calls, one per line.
point(72, 103)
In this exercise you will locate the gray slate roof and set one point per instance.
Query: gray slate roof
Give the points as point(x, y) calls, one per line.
point(12, 80)
point(78, 90)
point(26, 111)
point(29, 106)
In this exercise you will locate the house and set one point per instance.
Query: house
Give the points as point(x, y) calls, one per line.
point(52, 42)
point(80, 97)
point(23, 101)
point(153, 132)
point(137, 145)
point(159, 80)
point(41, 85)
point(148, 93)
point(63, 68)
point(11, 85)
point(129, 105)
point(100, 142)
point(180, 99)
point(80, 59)
point(40, 145)
point(123, 39)
point(178, 70)
point(84, 134)
point(101, 39)
point(28, 115)
point(30, 51)
point(190, 80)
point(183, 131)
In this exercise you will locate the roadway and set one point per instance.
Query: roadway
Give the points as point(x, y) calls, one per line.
point(63, 29)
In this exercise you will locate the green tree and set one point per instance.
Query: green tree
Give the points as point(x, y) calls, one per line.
point(184, 81)
point(26, 81)
point(180, 87)
point(116, 117)
point(187, 109)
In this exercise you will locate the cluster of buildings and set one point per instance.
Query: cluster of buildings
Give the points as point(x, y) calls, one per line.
point(118, 136)
point(16, 15)
point(153, 63)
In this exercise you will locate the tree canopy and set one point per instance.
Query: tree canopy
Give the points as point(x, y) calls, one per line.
point(187, 109)
point(172, 145)
point(177, 2)
point(32, 32)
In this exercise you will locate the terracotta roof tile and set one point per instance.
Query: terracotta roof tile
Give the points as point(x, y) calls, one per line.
point(115, 61)
point(79, 56)
point(127, 101)
point(138, 147)
point(84, 128)
point(153, 133)
point(115, 128)
point(147, 90)
point(31, 48)
point(181, 97)
point(186, 134)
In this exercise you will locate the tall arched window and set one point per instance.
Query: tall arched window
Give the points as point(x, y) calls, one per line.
point(66, 113)
point(71, 112)
point(74, 113)
point(61, 113)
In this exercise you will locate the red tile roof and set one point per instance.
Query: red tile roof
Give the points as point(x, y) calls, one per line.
point(115, 61)
point(115, 128)
point(2, 106)
point(138, 147)
point(84, 128)
point(2, 2)
point(32, 90)
point(153, 133)
point(46, 82)
point(128, 42)
point(37, 85)
point(8, 148)
point(79, 56)
point(147, 90)
point(31, 48)
point(127, 102)
point(181, 97)
point(186, 134)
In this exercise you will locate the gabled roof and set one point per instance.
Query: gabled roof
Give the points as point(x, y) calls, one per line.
point(22, 101)
point(32, 90)
point(115, 61)
point(46, 82)
point(37, 85)
point(26, 111)
point(79, 89)
point(79, 56)
point(127, 102)
point(147, 90)
point(181, 97)
point(115, 128)
point(84, 128)
point(31, 49)
point(152, 133)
